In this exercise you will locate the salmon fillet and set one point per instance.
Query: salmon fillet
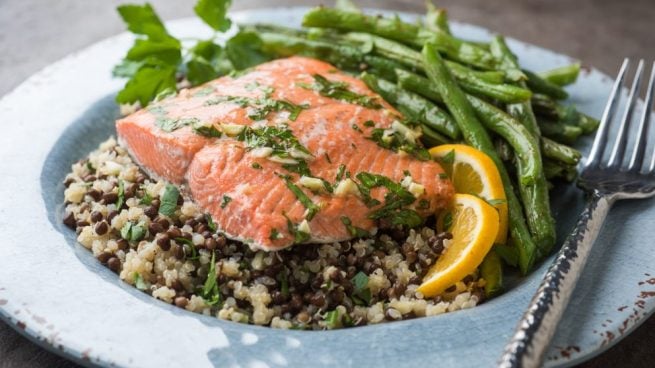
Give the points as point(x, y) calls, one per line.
point(295, 138)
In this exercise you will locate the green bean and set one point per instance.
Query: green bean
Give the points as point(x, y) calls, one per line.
point(430, 138)
point(383, 67)
point(413, 106)
point(560, 152)
point(347, 5)
point(540, 85)
point(504, 150)
point(494, 119)
point(342, 56)
point(525, 147)
point(475, 135)
point(506, 61)
point(469, 80)
point(552, 110)
point(436, 19)
point(395, 29)
point(491, 270)
point(563, 75)
point(534, 195)
point(560, 132)
point(554, 170)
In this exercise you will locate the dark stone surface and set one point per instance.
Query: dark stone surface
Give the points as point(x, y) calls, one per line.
point(35, 33)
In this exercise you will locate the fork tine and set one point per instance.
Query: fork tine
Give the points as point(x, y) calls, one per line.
point(612, 102)
point(622, 137)
point(636, 161)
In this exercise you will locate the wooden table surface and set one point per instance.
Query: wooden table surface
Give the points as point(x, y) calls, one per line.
point(35, 33)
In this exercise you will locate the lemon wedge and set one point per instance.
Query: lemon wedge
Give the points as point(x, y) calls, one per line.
point(474, 224)
point(473, 172)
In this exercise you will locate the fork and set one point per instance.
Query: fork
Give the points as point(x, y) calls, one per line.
point(606, 176)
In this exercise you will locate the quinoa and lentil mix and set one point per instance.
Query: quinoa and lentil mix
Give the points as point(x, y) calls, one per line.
point(155, 239)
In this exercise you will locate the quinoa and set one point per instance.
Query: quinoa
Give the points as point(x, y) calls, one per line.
point(308, 286)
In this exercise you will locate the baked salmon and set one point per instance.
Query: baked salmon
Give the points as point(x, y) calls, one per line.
point(292, 151)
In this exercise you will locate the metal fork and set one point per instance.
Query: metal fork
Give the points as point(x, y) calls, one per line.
point(606, 181)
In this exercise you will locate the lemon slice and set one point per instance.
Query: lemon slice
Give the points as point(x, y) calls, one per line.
point(474, 225)
point(473, 172)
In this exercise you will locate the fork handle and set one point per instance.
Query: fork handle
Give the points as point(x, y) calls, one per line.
point(536, 328)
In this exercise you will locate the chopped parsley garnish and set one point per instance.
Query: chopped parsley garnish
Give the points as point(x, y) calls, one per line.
point(448, 158)
point(133, 232)
point(312, 208)
point(300, 168)
point(259, 108)
point(283, 143)
point(354, 231)
point(210, 290)
point(361, 292)
point(146, 199)
point(121, 195)
point(169, 124)
point(332, 320)
point(204, 129)
point(256, 166)
point(340, 91)
point(443, 176)
point(327, 158)
point(369, 123)
point(90, 167)
point(448, 221)
point(396, 200)
point(190, 245)
point(275, 234)
point(283, 279)
point(299, 236)
point(210, 223)
point(169, 200)
point(340, 172)
point(356, 128)
point(139, 282)
point(396, 142)
point(423, 204)
point(225, 201)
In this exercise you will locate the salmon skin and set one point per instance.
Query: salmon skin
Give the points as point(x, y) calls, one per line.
point(292, 151)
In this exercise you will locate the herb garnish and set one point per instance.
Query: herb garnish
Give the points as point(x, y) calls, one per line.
point(133, 232)
point(139, 282)
point(354, 231)
point(340, 172)
point(275, 234)
point(192, 247)
point(312, 208)
point(169, 124)
point(121, 195)
point(299, 236)
point(369, 123)
point(169, 200)
point(396, 142)
point(225, 201)
point(210, 290)
point(283, 279)
point(153, 62)
point(332, 319)
point(146, 199)
point(205, 129)
point(339, 91)
point(361, 292)
point(395, 200)
point(256, 166)
point(281, 140)
point(210, 223)
point(259, 108)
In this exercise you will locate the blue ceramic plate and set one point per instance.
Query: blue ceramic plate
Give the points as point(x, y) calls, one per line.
point(54, 291)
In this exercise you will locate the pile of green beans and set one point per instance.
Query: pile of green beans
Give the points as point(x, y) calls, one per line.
point(460, 91)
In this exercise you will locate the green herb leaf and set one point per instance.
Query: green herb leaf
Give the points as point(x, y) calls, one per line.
point(126, 230)
point(360, 287)
point(139, 282)
point(225, 201)
point(191, 246)
point(298, 236)
point(121, 195)
point(132, 232)
point(340, 91)
point(312, 208)
point(355, 231)
point(210, 290)
point(283, 279)
point(169, 200)
point(146, 199)
point(244, 50)
point(275, 234)
point(214, 13)
point(146, 83)
point(142, 19)
point(396, 200)
point(332, 319)
point(210, 223)
point(256, 166)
